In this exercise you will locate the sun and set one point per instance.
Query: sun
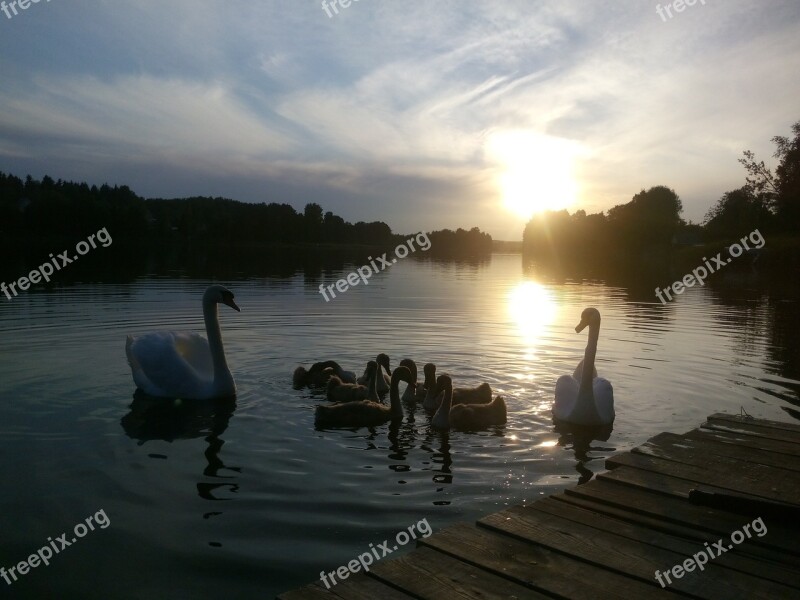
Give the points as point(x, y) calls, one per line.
point(536, 171)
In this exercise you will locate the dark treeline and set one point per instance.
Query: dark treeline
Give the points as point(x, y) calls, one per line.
point(648, 231)
point(43, 210)
point(459, 242)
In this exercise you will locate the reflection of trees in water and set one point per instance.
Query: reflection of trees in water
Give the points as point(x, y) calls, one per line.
point(765, 308)
point(116, 263)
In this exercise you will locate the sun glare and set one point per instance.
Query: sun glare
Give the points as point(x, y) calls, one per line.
point(536, 171)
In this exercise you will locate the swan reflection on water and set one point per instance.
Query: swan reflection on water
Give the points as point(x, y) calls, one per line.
point(164, 419)
point(170, 420)
point(581, 438)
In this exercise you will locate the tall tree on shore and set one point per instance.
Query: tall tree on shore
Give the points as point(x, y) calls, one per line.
point(736, 212)
point(788, 177)
point(779, 192)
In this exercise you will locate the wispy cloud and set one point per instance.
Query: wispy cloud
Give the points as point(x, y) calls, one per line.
point(386, 111)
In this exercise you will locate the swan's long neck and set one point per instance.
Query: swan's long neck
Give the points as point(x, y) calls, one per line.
point(372, 388)
point(394, 398)
point(411, 389)
point(442, 417)
point(430, 388)
point(223, 380)
point(588, 361)
point(585, 410)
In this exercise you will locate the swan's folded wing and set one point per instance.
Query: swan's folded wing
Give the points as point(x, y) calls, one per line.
point(566, 396)
point(603, 391)
point(195, 351)
point(160, 356)
point(604, 398)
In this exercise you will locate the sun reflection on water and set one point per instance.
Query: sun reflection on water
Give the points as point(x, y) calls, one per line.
point(533, 309)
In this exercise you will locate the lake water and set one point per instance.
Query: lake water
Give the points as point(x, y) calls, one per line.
point(248, 500)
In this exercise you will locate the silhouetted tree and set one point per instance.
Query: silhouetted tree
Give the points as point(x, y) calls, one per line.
point(780, 192)
point(312, 221)
point(446, 242)
point(649, 220)
point(737, 212)
point(788, 178)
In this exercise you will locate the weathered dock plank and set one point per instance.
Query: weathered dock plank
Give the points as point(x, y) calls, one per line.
point(752, 428)
point(753, 480)
point(355, 587)
point(629, 557)
point(717, 456)
point(432, 575)
point(608, 537)
point(745, 441)
point(667, 541)
point(535, 566)
point(792, 427)
point(693, 522)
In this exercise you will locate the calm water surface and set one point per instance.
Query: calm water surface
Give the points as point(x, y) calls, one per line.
point(248, 500)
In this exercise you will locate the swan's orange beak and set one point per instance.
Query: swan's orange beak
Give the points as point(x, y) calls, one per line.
point(232, 304)
point(581, 326)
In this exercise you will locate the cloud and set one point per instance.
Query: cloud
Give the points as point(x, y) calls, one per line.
point(387, 109)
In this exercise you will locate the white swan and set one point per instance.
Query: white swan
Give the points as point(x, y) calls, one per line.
point(588, 399)
point(172, 364)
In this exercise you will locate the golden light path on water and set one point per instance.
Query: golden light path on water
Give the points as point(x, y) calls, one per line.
point(533, 309)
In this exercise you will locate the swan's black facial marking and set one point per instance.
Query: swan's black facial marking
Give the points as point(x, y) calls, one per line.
point(227, 298)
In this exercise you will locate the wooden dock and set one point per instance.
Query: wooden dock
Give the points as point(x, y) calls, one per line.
point(607, 538)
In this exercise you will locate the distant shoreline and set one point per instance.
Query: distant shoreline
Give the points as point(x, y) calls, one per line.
point(507, 247)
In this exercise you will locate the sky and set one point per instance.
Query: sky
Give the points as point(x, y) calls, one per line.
point(424, 114)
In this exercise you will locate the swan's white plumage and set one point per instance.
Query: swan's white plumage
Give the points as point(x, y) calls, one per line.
point(170, 364)
point(582, 402)
point(173, 364)
point(567, 387)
